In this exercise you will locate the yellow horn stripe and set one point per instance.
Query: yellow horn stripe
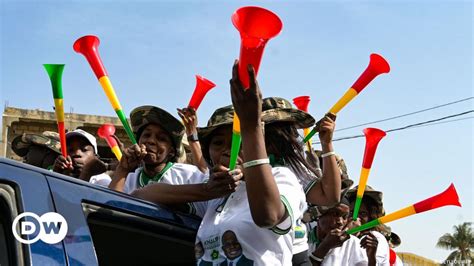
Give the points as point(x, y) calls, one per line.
point(236, 125)
point(364, 176)
point(110, 92)
point(117, 152)
point(410, 210)
point(59, 109)
point(345, 99)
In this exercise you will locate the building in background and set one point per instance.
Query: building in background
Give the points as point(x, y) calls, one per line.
point(16, 121)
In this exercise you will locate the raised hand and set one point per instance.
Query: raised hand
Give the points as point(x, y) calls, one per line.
point(326, 128)
point(189, 118)
point(247, 101)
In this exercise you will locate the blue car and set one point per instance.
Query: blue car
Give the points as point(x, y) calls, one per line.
point(105, 227)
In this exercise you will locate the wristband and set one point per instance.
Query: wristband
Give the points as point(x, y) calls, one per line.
point(193, 137)
point(256, 162)
point(327, 154)
point(318, 259)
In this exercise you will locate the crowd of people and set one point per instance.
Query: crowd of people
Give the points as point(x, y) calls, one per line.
point(282, 205)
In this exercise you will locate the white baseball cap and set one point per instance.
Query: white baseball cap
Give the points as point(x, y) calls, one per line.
point(84, 134)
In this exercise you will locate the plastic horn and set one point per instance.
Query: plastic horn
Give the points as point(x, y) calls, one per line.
point(372, 138)
point(88, 46)
point(377, 65)
point(55, 72)
point(203, 85)
point(106, 131)
point(445, 198)
point(302, 103)
point(256, 26)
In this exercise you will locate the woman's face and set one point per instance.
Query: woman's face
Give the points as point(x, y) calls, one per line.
point(220, 146)
point(158, 143)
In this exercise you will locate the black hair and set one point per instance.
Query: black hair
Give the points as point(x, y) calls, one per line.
point(282, 140)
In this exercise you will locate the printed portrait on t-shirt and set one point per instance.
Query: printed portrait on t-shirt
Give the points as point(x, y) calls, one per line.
point(233, 250)
point(199, 252)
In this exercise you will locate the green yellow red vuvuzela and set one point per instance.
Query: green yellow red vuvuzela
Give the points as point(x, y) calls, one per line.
point(445, 198)
point(377, 65)
point(256, 26)
point(372, 137)
point(55, 72)
point(88, 46)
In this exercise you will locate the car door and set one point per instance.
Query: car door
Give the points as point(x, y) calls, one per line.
point(112, 228)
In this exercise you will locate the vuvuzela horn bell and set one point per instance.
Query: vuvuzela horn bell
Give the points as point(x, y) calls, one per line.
point(106, 132)
point(445, 198)
point(302, 103)
point(203, 85)
point(372, 138)
point(377, 65)
point(88, 46)
point(256, 26)
point(55, 72)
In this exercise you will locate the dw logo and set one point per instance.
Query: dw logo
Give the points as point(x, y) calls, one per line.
point(51, 227)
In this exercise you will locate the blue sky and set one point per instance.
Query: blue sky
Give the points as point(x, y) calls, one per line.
point(152, 50)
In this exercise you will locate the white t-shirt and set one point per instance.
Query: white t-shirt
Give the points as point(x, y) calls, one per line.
point(262, 246)
point(350, 253)
point(382, 255)
point(101, 180)
point(178, 174)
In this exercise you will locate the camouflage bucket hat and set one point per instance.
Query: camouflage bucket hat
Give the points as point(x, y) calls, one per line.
point(142, 116)
point(377, 196)
point(48, 139)
point(275, 109)
point(321, 210)
point(221, 117)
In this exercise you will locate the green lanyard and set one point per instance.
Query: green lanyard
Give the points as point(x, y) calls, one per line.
point(144, 179)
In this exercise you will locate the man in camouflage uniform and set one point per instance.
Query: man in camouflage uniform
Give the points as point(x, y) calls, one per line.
point(38, 150)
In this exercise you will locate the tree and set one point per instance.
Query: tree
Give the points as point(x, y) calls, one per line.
point(462, 241)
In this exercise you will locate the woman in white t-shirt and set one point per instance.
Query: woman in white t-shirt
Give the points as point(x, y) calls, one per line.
point(153, 159)
point(253, 225)
point(285, 147)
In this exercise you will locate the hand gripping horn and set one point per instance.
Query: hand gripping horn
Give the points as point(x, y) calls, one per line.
point(377, 65)
point(256, 26)
point(88, 46)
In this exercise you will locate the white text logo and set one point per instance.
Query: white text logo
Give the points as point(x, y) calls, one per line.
point(51, 227)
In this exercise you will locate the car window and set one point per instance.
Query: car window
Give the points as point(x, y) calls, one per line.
point(126, 239)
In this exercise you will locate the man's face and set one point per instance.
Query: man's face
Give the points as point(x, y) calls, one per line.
point(81, 152)
point(220, 146)
point(158, 143)
point(334, 218)
point(363, 212)
point(40, 156)
point(231, 245)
